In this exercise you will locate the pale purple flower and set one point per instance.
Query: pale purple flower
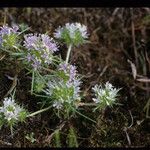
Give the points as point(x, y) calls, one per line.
point(76, 85)
point(64, 90)
point(58, 32)
point(73, 81)
point(39, 42)
point(31, 41)
point(29, 57)
point(63, 67)
point(49, 43)
point(5, 30)
point(36, 63)
point(69, 70)
point(72, 72)
point(15, 28)
point(40, 49)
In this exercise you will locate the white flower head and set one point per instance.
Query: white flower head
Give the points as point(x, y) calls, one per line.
point(57, 105)
point(58, 32)
point(64, 88)
point(10, 109)
point(82, 29)
point(72, 33)
point(105, 96)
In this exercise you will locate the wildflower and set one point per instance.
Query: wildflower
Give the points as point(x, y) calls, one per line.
point(5, 30)
point(63, 93)
point(40, 49)
point(105, 96)
point(8, 36)
point(11, 111)
point(57, 105)
point(69, 70)
point(64, 88)
point(72, 33)
point(73, 80)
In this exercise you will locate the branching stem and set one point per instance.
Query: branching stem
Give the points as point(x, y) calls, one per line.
point(39, 111)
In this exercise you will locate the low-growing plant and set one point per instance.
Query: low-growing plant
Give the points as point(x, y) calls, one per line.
point(57, 138)
point(72, 138)
point(72, 34)
point(63, 90)
point(11, 113)
point(105, 96)
point(9, 37)
point(60, 86)
point(30, 137)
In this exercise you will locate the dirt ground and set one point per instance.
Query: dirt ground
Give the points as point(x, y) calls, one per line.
point(118, 52)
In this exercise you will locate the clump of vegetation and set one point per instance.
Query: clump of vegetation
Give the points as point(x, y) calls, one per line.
point(59, 87)
point(59, 113)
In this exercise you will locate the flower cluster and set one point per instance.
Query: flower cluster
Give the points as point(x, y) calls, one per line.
point(72, 33)
point(12, 112)
point(40, 49)
point(70, 71)
point(61, 88)
point(64, 88)
point(8, 36)
point(5, 30)
point(62, 93)
point(64, 98)
point(105, 96)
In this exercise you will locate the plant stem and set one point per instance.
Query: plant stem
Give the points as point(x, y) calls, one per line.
point(32, 84)
point(68, 53)
point(23, 31)
point(11, 130)
point(13, 86)
point(40, 95)
point(84, 116)
point(39, 111)
point(47, 69)
point(146, 108)
point(86, 104)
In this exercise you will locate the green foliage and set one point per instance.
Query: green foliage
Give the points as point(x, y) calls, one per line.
point(2, 121)
point(77, 40)
point(72, 138)
point(146, 20)
point(40, 83)
point(57, 139)
point(9, 41)
point(60, 88)
point(30, 137)
point(23, 114)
